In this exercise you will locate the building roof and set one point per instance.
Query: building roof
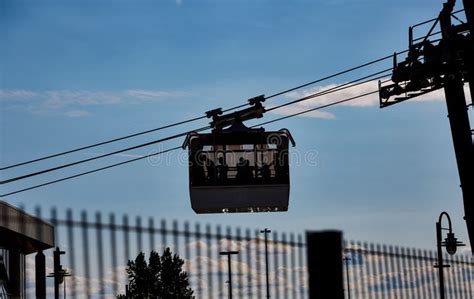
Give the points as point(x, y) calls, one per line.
point(20, 230)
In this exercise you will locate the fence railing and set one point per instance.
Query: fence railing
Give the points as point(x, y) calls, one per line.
point(98, 248)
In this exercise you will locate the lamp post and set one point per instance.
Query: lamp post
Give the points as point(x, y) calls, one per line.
point(266, 231)
point(347, 259)
point(229, 253)
point(451, 244)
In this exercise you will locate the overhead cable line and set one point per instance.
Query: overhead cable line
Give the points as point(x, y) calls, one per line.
point(89, 172)
point(337, 88)
point(317, 108)
point(325, 92)
point(114, 140)
point(172, 149)
point(335, 75)
point(434, 19)
point(101, 156)
point(192, 119)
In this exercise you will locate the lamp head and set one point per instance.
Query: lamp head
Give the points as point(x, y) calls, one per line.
point(451, 244)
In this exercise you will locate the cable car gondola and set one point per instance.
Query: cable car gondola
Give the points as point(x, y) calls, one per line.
point(239, 169)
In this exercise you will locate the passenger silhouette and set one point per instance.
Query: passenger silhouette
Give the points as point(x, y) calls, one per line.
point(222, 170)
point(281, 167)
point(198, 175)
point(211, 170)
point(244, 171)
point(265, 172)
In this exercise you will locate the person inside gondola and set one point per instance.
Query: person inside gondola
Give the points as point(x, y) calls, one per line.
point(198, 173)
point(265, 172)
point(281, 167)
point(222, 170)
point(244, 171)
point(211, 170)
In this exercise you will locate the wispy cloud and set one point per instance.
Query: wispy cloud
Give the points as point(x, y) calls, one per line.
point(366, 101)
point(74, 103)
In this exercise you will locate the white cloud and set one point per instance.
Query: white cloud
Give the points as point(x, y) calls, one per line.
point(73, 103)
point(371, 100)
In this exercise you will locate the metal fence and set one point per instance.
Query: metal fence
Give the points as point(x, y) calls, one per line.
point(98, 248)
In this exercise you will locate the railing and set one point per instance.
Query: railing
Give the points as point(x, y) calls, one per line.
point(381, 271)
point(98, 248)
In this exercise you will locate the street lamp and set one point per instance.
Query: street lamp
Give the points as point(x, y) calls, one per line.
point(266, 231)
point(229, 253)
point(451, 244)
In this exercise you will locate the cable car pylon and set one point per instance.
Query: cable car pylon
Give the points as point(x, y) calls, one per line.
point(447, 64)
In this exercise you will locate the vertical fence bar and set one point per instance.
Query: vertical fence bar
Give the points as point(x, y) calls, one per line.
point(380, 270)
point(176, 237)
point(369, 273)
point(198, 259)
point(126, 238)
point(219, 264)
point(113, 249)
point(228, 245)
point(303, 291)
point(356, 279)
point(386, 257)
point(455, 273)
point(285, 265)
point(151, 235)
point(85, 242)
point(362, 267)
point(54, 222)
point(469, 277)
point(434, 276)
point(425, 268)
point(345, 268)
point(71, 249)
point(416, 270)
point(423, 265)
point(462, 266)
point(250, 271)
point(210, 270)
point(138, 230)
point(163, 232)
point(394, 271)
point(358, 261)
point(462, 276)
point(399, 273)
point(187, 255)
point(258, 267)
point(293, 265)
point(411, 277)
point(276, 284)
point(100, 260)
point(239, 260)
point(448, 276)
point(375, 273)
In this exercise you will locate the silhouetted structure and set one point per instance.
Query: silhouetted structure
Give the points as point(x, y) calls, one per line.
point(445, 63)
point(20, 235)
point(98, 249)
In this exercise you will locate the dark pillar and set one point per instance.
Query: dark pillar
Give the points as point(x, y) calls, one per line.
point(459, 121)
point(14, 267)
point(40, 275)
point(469, 10)
point(325, 265)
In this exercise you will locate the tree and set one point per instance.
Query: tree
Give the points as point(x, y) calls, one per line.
point(163, 277)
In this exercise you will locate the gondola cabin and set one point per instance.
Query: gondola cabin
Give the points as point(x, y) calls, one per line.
point(239, 170)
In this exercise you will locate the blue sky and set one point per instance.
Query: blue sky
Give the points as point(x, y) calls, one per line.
point(79, 72)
